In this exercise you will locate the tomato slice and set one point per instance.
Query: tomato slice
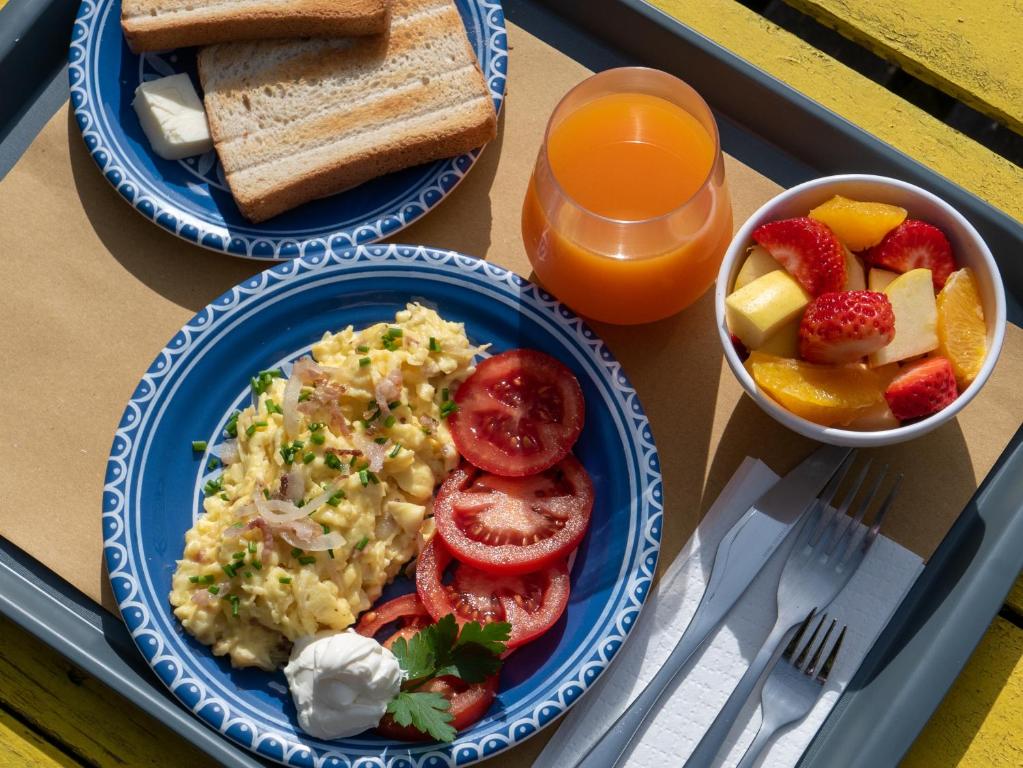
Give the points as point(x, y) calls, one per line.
point(512, 525)
point(519, 413)
point(530, 602)
point(469, 703)
point(407, 608)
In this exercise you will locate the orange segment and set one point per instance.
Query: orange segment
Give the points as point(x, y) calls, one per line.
point(962, 333)
point(858, 225)
point(824, 394)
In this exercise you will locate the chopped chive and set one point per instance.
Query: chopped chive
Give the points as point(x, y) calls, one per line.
point(362, 543)
point(284, 579)
point(309, 458)
point(209, 578)
point(395, 450)
point(316, 426)
point(444, 394)
point(248, 574)
point(325, 527)
point(295, 551)
point(373, 478)
point(395, 404)
point(238, 555)
point(300, 503)
point(318, 438)
point(252, 547)
point(379, 440)
point(390, 421)
point(259, 424)
point(229, 570)
point(212, 464)
point(394, 333)
point(257, 564)
point(332, 461)
point(364, 477)
point(364, 361)
point(306, 560)
point(261, 382)
point(234, 604)
point(434, 345)
point(336, 499)
point(272, 407)
point(330, 553)
point(362, 465)
point(194, 579)
point(304, 395)
point(447, 408)
point(214, 590)
point(250, 430)
point(225, 497)
point(266, 493)
point(198, 446)
point(215, 485)
point(232, 424)
point(362, 348)
point(426, 430)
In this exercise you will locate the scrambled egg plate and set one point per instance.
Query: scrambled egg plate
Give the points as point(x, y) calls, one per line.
point(326, 492)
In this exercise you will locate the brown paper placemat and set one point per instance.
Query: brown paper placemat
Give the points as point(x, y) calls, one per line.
point(94, 291)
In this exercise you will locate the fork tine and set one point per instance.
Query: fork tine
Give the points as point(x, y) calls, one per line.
point(867, 539)
point(842, 521)
point(827, 497)
point(811, 668)
point(829, 662)
point(790, 649)
point(801, 657)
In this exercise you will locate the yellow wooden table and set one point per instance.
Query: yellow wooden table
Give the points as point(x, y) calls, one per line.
point(52, 715)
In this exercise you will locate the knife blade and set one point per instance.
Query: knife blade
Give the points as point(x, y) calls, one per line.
point(741, 555)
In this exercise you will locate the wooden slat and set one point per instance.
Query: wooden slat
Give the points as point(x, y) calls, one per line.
point(980, 722)
point(1014, 600)
point(855, 97)
point(80, 715)
point(20, 746)
point(970, 49)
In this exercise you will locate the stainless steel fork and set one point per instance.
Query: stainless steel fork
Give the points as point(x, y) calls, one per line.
point(827, 550)
point(795, 683)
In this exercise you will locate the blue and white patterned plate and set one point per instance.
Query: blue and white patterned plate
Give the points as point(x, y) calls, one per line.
point(153, 488)
point(190, 197)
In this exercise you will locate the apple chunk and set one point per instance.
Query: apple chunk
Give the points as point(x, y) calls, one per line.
point(916, 318)
point(758, 263)
point(854, 274)
point(878, 279)
point(757, 310)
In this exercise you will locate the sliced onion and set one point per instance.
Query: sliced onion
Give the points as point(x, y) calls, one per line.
point(372, 451)
point(294, 483)
point(277, 511)
point(388, 389)
point(306, 370)
point(318, 501)
point(290, 405)
point(313, 540)
point(264, 528)
point(229, 452)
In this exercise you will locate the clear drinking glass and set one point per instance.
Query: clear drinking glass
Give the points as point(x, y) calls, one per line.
point(627, 215)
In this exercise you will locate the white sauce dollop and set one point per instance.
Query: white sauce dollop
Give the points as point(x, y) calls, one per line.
point(341, 683)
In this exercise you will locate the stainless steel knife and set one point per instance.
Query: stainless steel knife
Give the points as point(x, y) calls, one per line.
point(741, 555)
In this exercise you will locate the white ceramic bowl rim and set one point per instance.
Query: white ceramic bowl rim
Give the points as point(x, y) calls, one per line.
point(737, 248)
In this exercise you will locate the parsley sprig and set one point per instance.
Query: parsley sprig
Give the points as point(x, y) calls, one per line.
point(438, 650)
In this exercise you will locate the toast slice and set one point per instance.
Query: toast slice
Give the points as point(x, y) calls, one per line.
point(296, 120)
point(155, 25)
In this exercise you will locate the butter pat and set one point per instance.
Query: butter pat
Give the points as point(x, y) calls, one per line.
point(759, 309)
point(173, 117)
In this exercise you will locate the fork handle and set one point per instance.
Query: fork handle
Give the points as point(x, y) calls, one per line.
point(716, 735)
point(758, 744)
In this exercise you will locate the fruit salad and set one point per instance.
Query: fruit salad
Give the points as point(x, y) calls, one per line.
point(857, 316)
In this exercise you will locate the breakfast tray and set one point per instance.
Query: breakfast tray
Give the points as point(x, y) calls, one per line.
point(949, 608)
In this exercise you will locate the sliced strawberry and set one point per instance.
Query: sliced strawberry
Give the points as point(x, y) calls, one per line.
point(922, 389)
point(740, 348)
point(914, 244)
point(841, 327)
point(808, 250)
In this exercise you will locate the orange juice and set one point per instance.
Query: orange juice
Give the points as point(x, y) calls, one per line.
point(627, 217)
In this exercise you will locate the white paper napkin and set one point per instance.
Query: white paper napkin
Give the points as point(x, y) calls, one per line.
point(865, 605)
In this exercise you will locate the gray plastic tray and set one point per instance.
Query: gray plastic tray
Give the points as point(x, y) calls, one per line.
point(949, 608)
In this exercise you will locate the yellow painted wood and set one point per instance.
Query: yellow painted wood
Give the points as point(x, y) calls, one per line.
point(980, 722)
point(856, 98)
point(21, 747)
point(80, 714)
point(970, 49)
point(1015, 597)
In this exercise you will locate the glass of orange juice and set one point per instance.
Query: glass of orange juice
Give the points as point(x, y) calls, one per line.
point(627, 214)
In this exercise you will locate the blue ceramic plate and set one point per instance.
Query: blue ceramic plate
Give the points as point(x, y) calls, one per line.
point(153, 488)
point(190, 197)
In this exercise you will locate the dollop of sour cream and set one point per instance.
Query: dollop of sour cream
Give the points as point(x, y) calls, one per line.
point(341, 683)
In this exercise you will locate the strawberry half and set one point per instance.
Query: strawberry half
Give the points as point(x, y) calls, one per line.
point(841, 327)
point(808, 250)
point(914, 244)
point(922, 389)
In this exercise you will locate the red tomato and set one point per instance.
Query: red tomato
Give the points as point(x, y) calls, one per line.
point(469, 703)
point(407, 608)
point(512, 525)
point(530, 602)
point(519, 413)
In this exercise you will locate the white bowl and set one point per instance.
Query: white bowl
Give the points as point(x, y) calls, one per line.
point(967, 246)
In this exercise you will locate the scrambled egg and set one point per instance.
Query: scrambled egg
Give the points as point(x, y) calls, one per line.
point(249, 600)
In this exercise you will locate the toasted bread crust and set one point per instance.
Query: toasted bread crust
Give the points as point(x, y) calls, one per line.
point(299, 18)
